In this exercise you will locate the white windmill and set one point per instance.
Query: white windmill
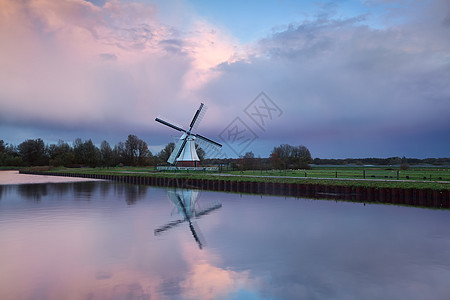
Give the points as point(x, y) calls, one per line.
point(185, 154)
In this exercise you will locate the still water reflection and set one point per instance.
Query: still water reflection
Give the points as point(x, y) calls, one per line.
point(186, 205)
point(100, 240)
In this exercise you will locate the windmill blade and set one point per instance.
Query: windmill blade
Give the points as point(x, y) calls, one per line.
point(209, 146)
point(200, 117)
point(168, 226)
point(187, 217)
point(196, 116)
point(170, 125)
point(204, 139)
point(207, 211)
point(177, 150)
point(196, 233)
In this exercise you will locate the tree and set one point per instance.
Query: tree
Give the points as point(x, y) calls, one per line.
point(164, 154)
point(275, 161)
point(9, 155)
point(200, 152)
point(131, 145)
point(394, 160)
point(291, 156)
point(136, 151)
point(118, 153)
point(143, 153)
point(301, 158)
point(86, 153)
point(2, 146)
point(60, 154)
point(33, 152)
point(107, 155)
point(248, 161)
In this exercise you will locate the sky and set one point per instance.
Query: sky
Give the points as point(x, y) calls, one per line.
point(344, 78)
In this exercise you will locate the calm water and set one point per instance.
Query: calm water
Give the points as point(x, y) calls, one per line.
point(100, 240)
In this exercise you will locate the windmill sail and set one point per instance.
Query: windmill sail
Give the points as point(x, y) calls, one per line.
point(208, 145)
point(176, 152)
point(197, 113)
point(198, 116)
point(170, 125)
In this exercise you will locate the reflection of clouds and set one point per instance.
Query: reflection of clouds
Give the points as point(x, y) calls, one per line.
point(323, 250)
point(205, 280)
point(13, 177)
point(258, 247)
point(73, 249)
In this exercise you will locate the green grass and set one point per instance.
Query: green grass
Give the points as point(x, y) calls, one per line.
point(427, 174)
point(320, 176)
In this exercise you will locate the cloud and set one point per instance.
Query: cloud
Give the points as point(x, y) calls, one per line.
point(115, 64)
point(339, 80)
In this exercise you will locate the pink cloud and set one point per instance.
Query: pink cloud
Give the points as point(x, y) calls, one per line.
point(73, 62)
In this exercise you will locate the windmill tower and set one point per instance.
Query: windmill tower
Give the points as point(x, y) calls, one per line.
point(185, 154)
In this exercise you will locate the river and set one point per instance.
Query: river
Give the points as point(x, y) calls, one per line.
point(103, 240)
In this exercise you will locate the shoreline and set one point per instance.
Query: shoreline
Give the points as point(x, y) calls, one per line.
point(426, 197)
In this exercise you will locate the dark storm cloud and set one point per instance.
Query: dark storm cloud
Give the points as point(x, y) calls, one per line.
point(340, 82)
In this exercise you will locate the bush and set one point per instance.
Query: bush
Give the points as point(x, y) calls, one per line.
point(404, 166)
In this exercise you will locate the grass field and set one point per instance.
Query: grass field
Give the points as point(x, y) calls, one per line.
point(420, 174)
point(346, 176)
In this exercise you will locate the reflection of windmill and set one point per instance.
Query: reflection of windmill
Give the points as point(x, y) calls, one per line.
point(185, 201)
point(184, 153)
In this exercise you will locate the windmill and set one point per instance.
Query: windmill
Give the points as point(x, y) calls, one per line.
point(184, 153)
point(186, 205)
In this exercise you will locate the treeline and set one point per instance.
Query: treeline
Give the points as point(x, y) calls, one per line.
point(382, 161)
point(134, 152)
point(34, 152)
point(249, 162)
point(282, 157)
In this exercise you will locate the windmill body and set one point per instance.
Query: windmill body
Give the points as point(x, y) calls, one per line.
point(184, 153)
point(189, 156)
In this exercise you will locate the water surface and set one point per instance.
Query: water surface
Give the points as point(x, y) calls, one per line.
point(102, 240)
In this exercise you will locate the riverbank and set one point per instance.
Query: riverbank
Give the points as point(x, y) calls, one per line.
point(403, 193)
point(344, 176)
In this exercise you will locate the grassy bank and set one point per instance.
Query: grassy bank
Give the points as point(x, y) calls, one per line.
point(417, 173)
point(345, 176)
